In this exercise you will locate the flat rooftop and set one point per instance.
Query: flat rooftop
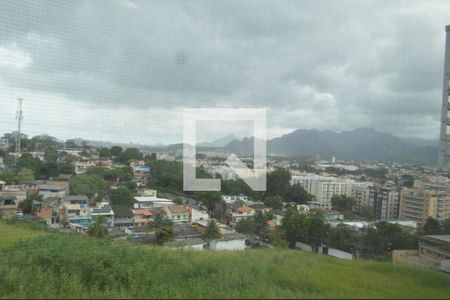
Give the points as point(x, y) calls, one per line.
point(152, 199)
point(443, 238)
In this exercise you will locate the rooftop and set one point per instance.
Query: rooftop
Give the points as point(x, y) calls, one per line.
point(178, 209)
point(76, 198)
point(144, 212)
point(151, 199)
point(51, 187)
point(245, 209)
point(441, 238)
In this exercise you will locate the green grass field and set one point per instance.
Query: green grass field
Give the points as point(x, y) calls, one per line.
point(69, 266)
point(10, 234)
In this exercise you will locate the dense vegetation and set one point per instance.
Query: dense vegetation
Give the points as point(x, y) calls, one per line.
point(70, 266)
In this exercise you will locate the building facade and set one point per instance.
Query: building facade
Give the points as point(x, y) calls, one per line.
point(385, 202)
point(323, 188)
point(420, 204)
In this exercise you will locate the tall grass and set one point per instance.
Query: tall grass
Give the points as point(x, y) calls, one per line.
point(67, 266)
point(12, 232)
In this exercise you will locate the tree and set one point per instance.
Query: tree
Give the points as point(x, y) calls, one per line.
point(212, 231)
point(278, 182)
point(150, 158)
point(260, 218)
point(296, 193)
point(51, 155)
point(71, 144)
point(385, 237)
point(129, 155)
point(121, 197)
point(28, 161)
point(317, 230)
point(209, 199)
point(90, 185)
point(432, 226)
point(295, 227)
point(219, 209)
point(27, 205)
point(115, 150)
point(66, 168)
point(125, 174)
point(446, 227)
point(25, 175)
point(162, 227)
point(342, 202)
point(275, 202)
point(104, 152)
point(246, 226)
point(342, 237)
point(98, 229)
point(8, 176)
point(49, 169)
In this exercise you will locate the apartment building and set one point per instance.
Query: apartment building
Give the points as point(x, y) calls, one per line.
point(323, 188)
point(105, 210)
point(439, 183)
point(385, 202)
point(420, 204)
point(360, 193)
point(75, 209)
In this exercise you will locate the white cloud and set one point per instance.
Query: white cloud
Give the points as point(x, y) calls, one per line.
point(11, 56)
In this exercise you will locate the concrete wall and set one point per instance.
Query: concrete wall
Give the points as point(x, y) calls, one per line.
point(303, 247)
point(340, 254)
point(227, 245)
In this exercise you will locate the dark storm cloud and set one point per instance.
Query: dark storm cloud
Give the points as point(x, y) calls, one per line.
point(355, 62)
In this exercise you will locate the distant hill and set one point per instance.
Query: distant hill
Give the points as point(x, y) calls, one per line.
point(358, 144)
point(222, 142)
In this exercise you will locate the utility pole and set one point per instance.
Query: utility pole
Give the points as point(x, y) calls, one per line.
point(19, 117)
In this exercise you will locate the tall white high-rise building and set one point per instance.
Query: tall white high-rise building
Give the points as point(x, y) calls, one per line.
point(444, 143)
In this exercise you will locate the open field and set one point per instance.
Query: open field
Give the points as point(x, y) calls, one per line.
point(10, 233)
point(68, 266)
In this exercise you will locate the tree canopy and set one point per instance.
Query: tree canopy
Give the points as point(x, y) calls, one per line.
point(212, 231)
point(90, 185)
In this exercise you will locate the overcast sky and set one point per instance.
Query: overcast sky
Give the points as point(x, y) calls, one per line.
point(123, 70)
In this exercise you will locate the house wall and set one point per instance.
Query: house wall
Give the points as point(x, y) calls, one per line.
point(49, 194)
point(199, 215)
point(340, 254)
point(235, 245)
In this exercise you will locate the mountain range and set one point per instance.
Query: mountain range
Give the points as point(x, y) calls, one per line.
point(359, 144)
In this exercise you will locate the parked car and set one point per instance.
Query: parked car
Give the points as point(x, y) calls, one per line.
point(19, 215)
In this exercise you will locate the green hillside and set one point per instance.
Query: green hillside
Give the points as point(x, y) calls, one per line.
point(69, 266)
point(10, 234)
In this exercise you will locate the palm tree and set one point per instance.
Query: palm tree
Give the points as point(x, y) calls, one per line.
point(163, 228)
point(212, 232)
point(97, 229)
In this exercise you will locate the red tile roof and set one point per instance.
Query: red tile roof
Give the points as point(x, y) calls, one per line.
point(144, 212)
point(245, 209)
